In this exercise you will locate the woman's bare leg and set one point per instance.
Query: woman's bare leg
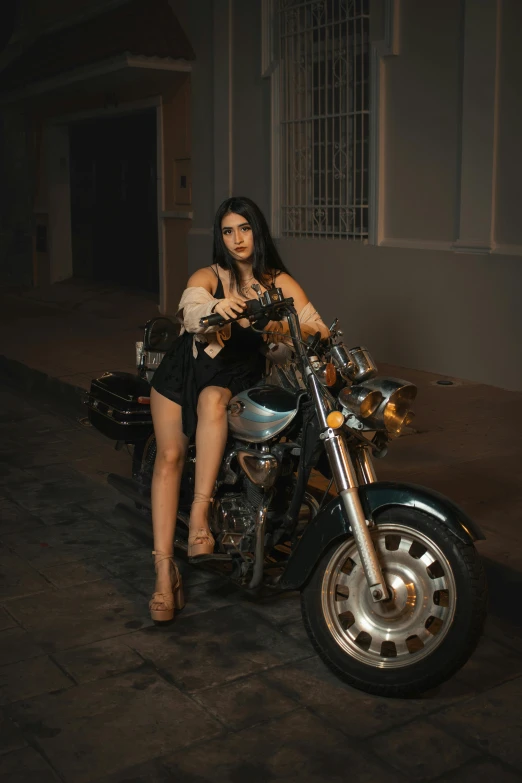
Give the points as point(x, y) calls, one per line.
point(211, 437)
point(168, 468)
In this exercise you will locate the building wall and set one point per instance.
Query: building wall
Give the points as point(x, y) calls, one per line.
point(439, 289)
point(422, 95)
point(230, 114)
point(509, 179)
point(16, 217)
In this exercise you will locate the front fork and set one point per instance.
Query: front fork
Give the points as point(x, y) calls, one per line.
point(347, 485)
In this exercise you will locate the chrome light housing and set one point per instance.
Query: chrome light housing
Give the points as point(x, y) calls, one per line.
point(396, 409)
point(360, 400)
point(355, 365)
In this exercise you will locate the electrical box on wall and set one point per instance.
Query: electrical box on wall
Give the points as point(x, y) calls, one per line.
point(183, 181)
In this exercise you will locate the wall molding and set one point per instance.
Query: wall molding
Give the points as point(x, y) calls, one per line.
point(471, 247)
point(477, 248)
point(417, 244)
point(386, 47)
point(508, 250)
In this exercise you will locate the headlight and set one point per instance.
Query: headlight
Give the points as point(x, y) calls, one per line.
point(360, 401)
point(393, 410)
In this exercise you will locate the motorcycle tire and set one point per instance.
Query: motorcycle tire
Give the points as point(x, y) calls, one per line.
point(428, 628)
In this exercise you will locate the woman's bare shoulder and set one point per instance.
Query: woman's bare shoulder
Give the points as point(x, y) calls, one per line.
point(204, 278)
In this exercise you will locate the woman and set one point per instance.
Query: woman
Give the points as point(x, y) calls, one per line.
point(204, 369)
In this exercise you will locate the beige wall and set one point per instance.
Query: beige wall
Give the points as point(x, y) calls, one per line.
point(509, 177)
point(456, 315)
point(421, 105)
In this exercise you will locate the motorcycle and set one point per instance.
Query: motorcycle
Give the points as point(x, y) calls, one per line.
point(393, 593)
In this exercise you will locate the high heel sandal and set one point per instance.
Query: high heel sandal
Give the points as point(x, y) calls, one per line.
point(202, 541)
point(170, 600)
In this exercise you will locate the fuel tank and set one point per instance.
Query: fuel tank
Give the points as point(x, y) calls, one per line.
point(260, 413)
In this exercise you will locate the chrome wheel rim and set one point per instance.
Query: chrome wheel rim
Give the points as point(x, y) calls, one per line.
point(417, 617)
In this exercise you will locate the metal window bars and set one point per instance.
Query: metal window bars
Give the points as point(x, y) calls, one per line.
point(324, 54)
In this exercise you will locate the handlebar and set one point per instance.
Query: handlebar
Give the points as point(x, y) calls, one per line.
point(270, 303)
point(212, 320)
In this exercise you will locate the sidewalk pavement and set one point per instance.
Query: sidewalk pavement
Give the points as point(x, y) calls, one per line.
point(466, 439)
point(92, 692)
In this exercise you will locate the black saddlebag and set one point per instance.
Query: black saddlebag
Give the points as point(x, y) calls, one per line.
point(119, 406)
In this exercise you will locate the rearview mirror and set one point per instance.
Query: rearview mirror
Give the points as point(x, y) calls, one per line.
point(159, 335)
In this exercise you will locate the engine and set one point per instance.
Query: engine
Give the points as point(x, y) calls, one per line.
point(234, 522)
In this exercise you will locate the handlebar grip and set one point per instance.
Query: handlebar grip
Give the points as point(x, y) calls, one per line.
point(212, 320)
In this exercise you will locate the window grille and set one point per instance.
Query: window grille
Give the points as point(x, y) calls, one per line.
point(324, 54)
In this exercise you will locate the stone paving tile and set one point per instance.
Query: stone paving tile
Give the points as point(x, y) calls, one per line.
point(422, 750)
point(100, 728)
point(482, 771)
point(25, 679)
point(355, 713)
point(17, 645)
point(491, 664)
point(10, 443)
point(280, 609)
point(491, 722)
point(6, 621)
point(203, 591)
point(506, 634)
point(50, 454)
point(80, 615)
point(25, 766)
point(215, 647)
point(210, 595)
point(244, 703)
point(11, 476)
point(294, 747)
point(97, 661)
point(297, 631)
point(11, 738)
point(150, 772)
point(35, 496)
point(138, 564)
point(14, 518)
point(70, 574)
point(61, 474)
point(57, 515)
point(66, 542)
point(17, 578)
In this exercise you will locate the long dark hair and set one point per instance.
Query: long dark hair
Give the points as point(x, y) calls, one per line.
point(266, 258)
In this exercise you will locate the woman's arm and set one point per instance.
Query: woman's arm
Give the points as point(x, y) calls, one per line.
point(198, 301)
point(313, 324)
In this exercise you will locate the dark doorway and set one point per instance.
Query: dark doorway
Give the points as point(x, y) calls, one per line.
point(114, 217)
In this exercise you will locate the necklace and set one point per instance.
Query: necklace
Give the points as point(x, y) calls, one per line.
point(243, 289)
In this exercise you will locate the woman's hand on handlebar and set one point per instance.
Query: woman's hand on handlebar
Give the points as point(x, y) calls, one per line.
point(231, 307)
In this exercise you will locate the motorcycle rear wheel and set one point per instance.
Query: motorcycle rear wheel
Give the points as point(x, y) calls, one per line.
point(424, 633)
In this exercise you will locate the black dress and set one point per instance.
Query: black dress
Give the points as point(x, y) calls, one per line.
point(181, 377)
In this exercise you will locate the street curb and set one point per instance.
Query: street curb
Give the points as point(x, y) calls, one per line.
point(64, 397)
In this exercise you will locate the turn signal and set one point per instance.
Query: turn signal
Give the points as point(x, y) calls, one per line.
point(335, 419)
point(330, 374)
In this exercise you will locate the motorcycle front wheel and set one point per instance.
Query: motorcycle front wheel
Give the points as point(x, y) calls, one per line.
point(427, 629)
